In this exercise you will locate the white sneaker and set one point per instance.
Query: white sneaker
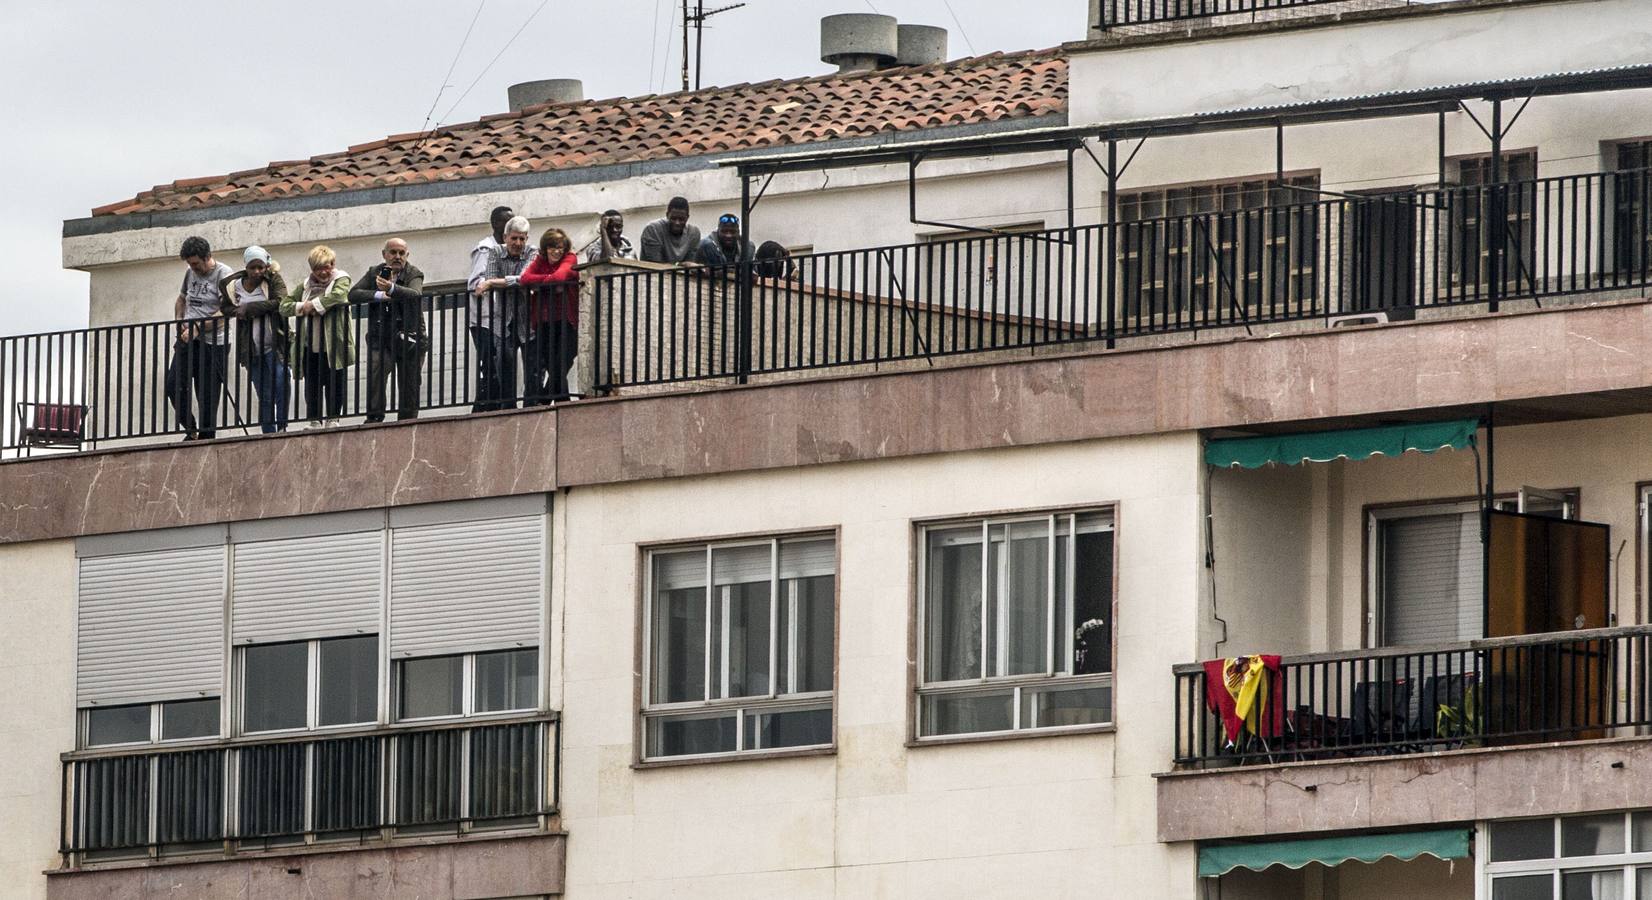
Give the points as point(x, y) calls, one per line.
point(314, 424)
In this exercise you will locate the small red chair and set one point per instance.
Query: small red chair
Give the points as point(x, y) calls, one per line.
point(56, 425)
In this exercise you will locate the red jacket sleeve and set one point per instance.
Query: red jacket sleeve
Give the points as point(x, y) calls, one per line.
point(542, 272)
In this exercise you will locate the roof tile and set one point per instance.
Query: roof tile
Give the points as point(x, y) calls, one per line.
point(621, 130)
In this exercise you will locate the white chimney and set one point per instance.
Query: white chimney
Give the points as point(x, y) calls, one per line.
point(920, 45)
point(549, 90)
point(858, 41)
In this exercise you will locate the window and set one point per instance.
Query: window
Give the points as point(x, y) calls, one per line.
point(467, 684)
point(1016, 628)
point(1601, 856)
point(142, 723)
point(1471, 239)
point(981, 271)
point(1193, 249)
point(309, 684)
point(1429, 570)
point(1631, 191)
point(740, 647)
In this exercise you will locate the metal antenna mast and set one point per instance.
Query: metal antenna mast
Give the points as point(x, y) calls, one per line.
point(695, 18)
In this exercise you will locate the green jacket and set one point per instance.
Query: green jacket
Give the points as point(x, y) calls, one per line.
point(338, 340)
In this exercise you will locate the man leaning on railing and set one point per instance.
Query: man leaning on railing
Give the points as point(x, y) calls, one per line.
point(494, 302)
point(201, 351)
point(396, 337)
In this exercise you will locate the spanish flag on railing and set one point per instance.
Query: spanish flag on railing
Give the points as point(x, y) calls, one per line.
point(1247, 692)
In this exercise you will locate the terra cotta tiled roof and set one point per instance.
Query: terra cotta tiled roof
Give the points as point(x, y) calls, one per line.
point(624, 130)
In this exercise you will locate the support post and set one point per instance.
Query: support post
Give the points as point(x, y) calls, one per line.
point(1497, 227)
point(1485, 521)
point(743, 273)
point(1110, 264)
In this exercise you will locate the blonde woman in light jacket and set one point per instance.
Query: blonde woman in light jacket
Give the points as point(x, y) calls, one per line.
point(323, 345)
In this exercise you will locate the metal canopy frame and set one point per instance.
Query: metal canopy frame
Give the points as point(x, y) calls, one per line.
point(1069, 140)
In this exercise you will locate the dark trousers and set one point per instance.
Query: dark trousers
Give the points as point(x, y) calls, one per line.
point(547, 355)
point(323, 387)
point(269, 376)
point(200, 364)
point(495, 370)
point(405, 359)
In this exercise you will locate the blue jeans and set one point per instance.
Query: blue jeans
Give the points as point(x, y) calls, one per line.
point(270, 378)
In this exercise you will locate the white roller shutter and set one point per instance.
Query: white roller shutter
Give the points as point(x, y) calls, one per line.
point(308, 587)
point(741, 565)
point(808, 559)
point(466, 586)
point(676, 571)
point(151, 626)
point(1431, 579)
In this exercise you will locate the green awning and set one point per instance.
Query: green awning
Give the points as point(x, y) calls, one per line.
point(1219, 860)
point(1353, 443)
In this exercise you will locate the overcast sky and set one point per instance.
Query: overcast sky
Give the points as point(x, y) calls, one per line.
point(105, 99)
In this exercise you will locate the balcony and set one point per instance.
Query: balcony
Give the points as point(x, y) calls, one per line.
point(1500, 692)
point(1295, 261)
point(307, 792)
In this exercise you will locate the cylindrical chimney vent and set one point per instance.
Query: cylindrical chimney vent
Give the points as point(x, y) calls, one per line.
point(858, 41)
point(550, 90)
point(920, 45)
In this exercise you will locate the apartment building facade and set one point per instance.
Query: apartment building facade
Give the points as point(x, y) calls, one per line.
point(1312, 332)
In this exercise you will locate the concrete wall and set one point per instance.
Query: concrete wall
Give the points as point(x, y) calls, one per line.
point(1258, 518)
point(1044, 816)
point(1265, 67)
point(136, 274)
point(37, 709)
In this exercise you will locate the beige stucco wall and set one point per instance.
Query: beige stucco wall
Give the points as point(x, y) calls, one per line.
point(1603, 458)
point(1045, 817)
point(37, 722)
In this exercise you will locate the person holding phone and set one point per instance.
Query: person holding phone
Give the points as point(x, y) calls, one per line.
point(397, 341)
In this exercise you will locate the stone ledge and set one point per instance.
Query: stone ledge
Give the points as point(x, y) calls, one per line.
point(1391, 792)
point(476, 869)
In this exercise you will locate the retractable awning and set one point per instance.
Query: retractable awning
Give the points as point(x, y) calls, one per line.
point(1353, 443)
point(1447, 844)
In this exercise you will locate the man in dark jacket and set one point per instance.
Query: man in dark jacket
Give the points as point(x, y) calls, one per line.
point(396, 337)
point(252, 297)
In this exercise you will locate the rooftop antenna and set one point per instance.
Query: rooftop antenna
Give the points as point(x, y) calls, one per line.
point(696, 18)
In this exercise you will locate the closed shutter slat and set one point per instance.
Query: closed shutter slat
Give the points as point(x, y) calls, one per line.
point(466, 586)
point(150, 626)
point(1431, 580)
point(807, 559)
point(308, 587)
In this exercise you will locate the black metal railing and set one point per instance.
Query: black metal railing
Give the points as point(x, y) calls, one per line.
point(855, 307)
point(1498, 692)
point(1289, 254)
point(266, 793)
point(77, 389)
point(1120, 13)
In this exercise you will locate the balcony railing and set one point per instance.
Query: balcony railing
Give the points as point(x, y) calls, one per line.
point(1293, 254)
point(280, 792)
point(1121, 13)
point(1369, 703)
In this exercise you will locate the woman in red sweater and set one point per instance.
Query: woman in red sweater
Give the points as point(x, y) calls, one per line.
point(553, 316)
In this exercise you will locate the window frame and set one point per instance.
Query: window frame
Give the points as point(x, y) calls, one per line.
point(312, 688)
point(918, 689)
point(467, 689)
point(1628, 861)
point(157, 724)
point(737, 707)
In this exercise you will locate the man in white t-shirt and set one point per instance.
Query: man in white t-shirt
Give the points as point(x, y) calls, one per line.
point(201, 350)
